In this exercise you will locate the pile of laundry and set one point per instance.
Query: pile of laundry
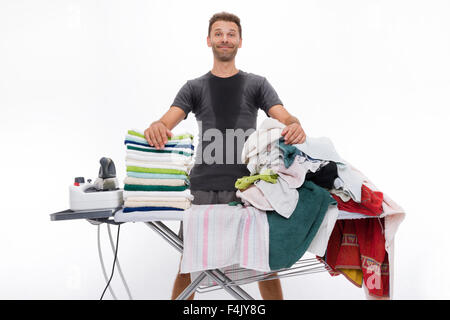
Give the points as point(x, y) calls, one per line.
point(157, 180)
point(316, 201)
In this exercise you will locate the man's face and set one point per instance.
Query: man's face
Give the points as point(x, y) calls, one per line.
point(224, 40)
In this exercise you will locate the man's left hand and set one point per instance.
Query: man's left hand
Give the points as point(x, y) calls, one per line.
point(293, 134)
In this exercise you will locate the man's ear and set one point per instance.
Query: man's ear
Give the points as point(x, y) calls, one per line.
point(208, 41)
point(240, 43)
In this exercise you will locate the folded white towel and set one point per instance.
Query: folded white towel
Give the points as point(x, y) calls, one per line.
point(155, 194)
point(154, 182)
point(146, 164)
point(189, 151)
point(147, 199)
point(174, 204)
point(169, 158)
point(142, 216)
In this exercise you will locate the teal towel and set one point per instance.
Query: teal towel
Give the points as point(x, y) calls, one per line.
point(290, 238)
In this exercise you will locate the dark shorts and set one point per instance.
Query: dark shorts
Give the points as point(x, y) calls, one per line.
point(210, 197)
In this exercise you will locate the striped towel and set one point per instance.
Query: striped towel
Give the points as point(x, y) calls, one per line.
point(184, 152)
point(219, 235)
point(144, 142)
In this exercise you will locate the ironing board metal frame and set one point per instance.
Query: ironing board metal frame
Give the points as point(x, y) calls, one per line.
point(301, 267)
point(222, 281)
point(216, 275)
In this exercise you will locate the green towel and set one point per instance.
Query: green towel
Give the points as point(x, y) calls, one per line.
point(155, 170)
point(235, 203)
point(290, 238)
point(179, 137)
point(159, 151)
point(245, 182)
point(135, 187)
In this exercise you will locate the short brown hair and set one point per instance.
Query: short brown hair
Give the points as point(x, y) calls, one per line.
point(225, 16)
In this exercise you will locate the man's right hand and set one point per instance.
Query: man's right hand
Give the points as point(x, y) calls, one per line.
point(156, 134)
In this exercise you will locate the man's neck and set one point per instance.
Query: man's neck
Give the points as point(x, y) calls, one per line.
point(224, 69)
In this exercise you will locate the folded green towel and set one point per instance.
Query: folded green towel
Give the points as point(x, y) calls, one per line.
point(290, 238)
point(155, 170)
point(178, 137)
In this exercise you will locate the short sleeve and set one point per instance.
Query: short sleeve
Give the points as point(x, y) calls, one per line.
point(268, 96)
point(184, 99)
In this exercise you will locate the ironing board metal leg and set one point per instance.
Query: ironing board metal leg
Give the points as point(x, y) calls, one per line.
point(236, 288)
point(171, 241)
point(216, 275)
point(191, 287)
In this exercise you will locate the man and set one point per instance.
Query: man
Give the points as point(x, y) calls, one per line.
point(224, 98)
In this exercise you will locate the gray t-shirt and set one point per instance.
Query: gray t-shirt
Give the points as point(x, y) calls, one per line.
point(226, 110)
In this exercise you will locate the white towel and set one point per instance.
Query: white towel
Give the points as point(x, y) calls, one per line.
point(174, 204)
point(267, 133)
point(154, 182)
point(187, 150)
point(167, 199)
point(322, 148)
point(319, 244)
point(156, 194)
point(145, 164)
point(169, 158)
point(142, 216)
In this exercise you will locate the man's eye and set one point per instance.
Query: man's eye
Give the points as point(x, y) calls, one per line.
point(217, 34)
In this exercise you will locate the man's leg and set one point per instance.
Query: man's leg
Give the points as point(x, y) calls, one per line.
point(271, 289)
point(181, 282)
point(183, 279)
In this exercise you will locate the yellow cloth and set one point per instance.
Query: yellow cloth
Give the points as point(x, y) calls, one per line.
point(355, 276)
point(267, 175)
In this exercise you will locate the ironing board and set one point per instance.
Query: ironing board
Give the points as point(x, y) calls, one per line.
point(154, 220)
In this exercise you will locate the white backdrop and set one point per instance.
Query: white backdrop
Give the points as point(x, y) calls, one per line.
point(373, 76)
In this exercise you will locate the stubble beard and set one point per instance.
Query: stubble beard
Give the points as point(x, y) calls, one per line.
point(224, 56)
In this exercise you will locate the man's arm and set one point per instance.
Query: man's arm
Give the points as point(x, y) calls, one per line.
point(157, 133)
point(293, 132)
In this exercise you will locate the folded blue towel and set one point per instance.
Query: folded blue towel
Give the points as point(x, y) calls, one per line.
point(167, 145)
point(132, 209)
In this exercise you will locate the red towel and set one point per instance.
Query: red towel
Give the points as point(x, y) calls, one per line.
point(360, 244)
point(371, 203)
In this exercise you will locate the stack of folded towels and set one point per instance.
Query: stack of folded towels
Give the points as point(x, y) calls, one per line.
point(157, 180)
